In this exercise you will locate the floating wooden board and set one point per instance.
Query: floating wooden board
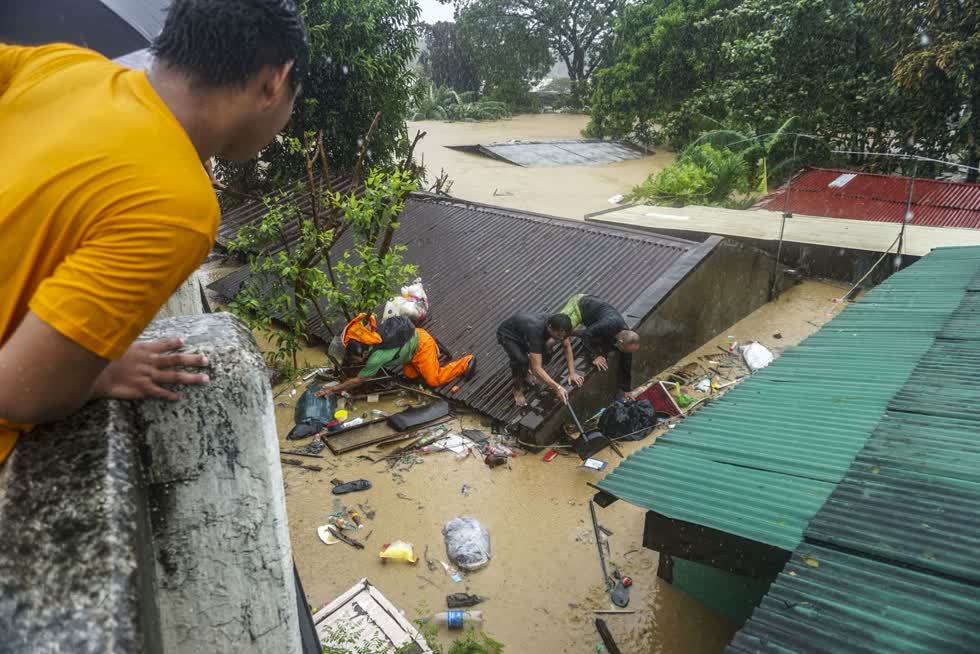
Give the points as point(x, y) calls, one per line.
point(339, 443)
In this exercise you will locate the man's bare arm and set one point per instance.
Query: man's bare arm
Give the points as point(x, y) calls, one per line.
point(534, 359)
point(45, 376)
point(573, 376)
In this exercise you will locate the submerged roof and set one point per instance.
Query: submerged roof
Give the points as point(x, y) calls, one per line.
point(882, 198)
point(892, 561)
point(481, 264)
point(781, 441)
point(570, 152)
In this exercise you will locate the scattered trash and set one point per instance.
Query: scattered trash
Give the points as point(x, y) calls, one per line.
point(378, 413)
point(456, 620)
point(351, 486)
point(300, 464)
point(413, 303)
point(352, 423)
point(429, 563)
point(326, 535)
point(463, 600)
point(777, 336)
point(617, 199)
point(347, 539)
point(467, 543)
point(549, 455)
point(757, 356)
point(594, 464)
point(493, 460)
point(311, 414)
point(398, 550)
point(403, 496)
point(703, 386)
point(452, 572)
point(355, 517)
point(466, 490)
point(373, 398)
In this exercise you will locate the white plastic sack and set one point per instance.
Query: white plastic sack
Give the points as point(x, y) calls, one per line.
point(413, 303)
point(467, 543)
point(757, 356)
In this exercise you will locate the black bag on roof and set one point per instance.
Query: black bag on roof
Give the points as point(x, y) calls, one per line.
point(629, 420)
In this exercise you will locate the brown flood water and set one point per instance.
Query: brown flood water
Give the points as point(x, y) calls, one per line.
point(543, 580)
point(567, 191)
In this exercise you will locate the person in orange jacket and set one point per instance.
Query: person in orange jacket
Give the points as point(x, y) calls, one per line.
point(397, 342)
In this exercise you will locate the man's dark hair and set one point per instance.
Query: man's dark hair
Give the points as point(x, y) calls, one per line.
point(226, 42)
point(560, 323)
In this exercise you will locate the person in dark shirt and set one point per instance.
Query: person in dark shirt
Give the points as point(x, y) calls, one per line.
point(525, 338)
point(602, 330)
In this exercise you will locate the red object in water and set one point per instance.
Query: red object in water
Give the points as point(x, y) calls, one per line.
point(549, 455)
point(627, 581)
point(663, 402)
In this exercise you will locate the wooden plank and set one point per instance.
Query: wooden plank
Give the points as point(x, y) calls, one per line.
point(374, 436)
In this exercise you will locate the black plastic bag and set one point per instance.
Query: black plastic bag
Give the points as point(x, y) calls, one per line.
point(629, 421)
point(312, 413)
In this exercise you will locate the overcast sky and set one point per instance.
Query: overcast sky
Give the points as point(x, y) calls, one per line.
point(433, 11)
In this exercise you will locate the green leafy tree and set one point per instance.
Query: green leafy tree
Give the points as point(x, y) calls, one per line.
point(937, 45)
point(295, 279)
point(506, 49)
point(360, 52)
point(446, 59)
point(576, 30)
point(751, 63)
point(703, 174)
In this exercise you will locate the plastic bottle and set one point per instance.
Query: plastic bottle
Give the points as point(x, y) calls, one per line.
point(353, 423)
point(378, 413)
point(457, 619)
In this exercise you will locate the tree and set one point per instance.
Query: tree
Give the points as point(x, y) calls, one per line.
point(682, 66)
point(576, 30)
point(295, 279)
point(359, 56)
point(447, 61)
point(937, 44)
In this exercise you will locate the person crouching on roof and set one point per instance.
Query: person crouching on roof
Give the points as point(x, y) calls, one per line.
point(396, 342)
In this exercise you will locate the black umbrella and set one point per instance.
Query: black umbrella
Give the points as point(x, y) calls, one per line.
point(112, 27)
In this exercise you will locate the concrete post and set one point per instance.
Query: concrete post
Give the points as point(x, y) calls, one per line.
point(186, 300)
point(217, 505)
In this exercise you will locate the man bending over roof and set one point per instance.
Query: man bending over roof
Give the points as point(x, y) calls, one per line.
point(525, 338)
point(397, 342)
point(602, 329)
point(105, 206)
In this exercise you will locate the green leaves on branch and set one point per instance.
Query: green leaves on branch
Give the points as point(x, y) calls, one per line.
point(297, 275)
point(703, 175)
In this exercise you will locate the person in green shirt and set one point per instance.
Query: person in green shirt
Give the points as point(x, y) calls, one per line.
point(397, 342)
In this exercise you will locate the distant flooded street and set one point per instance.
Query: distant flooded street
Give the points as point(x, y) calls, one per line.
point(566, 191)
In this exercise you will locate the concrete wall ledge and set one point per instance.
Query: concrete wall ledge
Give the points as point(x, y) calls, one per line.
point(153, 526)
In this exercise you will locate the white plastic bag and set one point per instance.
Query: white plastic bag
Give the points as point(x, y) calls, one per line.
point(413, 303)
point(757, 356)
point(467, 543)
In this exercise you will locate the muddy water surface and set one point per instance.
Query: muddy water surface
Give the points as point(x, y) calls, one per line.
point(566, 191)
point(543, 581)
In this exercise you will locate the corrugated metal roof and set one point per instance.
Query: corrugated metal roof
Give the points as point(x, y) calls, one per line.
point(252, 211)
point(751, 503)
point(854, 604)
point(807, 415)
point(907, 514)
point(480, 264)
point(572, 152)
point(867, 196)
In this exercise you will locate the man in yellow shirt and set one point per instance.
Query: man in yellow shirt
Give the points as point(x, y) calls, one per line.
point(105, 206)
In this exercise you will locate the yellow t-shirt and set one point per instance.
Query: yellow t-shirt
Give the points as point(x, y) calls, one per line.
point(105, 207)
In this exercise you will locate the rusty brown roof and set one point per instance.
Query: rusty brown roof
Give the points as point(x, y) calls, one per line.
point(480, 264)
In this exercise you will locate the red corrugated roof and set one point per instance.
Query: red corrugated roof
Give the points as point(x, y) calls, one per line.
point(866, 196)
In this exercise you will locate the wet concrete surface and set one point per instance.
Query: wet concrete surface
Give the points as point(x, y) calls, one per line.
point(566, 191)
point(543, 580)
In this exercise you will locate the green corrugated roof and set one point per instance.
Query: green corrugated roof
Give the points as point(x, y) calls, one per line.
point(892, 561)
point(805, 417)
point(849, 604)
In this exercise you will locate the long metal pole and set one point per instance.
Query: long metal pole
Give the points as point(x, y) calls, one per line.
point(908, 214)
point(782, 229)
